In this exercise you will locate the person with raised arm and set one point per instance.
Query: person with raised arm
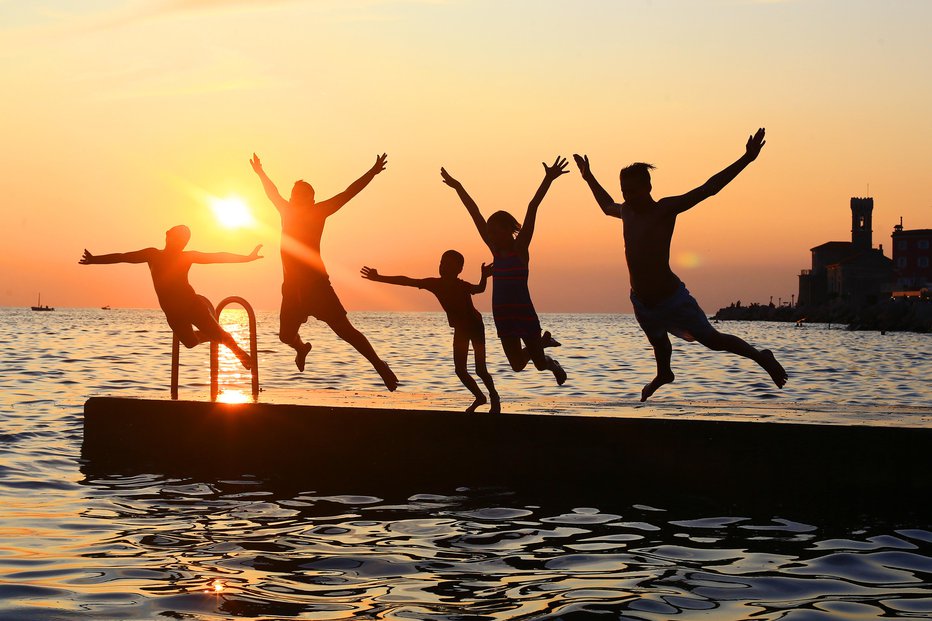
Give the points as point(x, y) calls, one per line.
point(306, 288)
point(516, 320)
point(455, 297)
point(183, 307)
point(662, 304)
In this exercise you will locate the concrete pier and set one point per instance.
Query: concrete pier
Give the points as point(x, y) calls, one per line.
point(365, 448)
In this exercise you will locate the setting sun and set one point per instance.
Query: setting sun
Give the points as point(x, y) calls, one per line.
point(232, 212)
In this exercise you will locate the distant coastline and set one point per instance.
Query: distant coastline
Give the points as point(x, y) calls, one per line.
point(895, 315)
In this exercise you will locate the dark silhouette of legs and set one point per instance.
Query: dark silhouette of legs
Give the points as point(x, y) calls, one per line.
point(519, 356)
point(460, 355)
point(663, 350)
point(210, 330)
point(478, 347)
point(730, 343)
point(344, 329)
point(288, 334)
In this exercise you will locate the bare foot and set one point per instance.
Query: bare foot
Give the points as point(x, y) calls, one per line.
point(657, 382)
point(776, 370)
point(547, 340)
point(301, 356)
point(480, 400)
point(496, 407)
point(558, 373)
point(391, 382)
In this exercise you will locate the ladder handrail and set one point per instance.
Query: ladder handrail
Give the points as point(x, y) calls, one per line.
point(215, 351)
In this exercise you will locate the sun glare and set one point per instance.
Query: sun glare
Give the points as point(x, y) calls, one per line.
point(232, 212)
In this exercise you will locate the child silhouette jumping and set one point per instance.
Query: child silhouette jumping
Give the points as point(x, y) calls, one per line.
point(455, 296)
point(184, 309)
point(661, 301)
point(514, 314)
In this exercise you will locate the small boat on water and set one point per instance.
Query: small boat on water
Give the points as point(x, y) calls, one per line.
point(39, 307)
point(107, 307)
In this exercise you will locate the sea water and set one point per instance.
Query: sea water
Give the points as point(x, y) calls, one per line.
point(151, 546)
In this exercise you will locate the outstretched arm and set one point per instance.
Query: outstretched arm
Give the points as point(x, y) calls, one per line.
point(486, 272)
point(223, 257)
point(470, 204)
point(523, 240)
point(270, 190)
point(370, 273)
point(137, 256)
point(602, 197)
point(718, 181)
point(332, 205)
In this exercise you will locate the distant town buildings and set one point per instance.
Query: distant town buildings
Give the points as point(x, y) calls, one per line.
point(857, 273)
point(911, 260)
point(854, 271)
point(853, 284)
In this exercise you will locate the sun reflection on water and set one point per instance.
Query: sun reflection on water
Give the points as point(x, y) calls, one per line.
point(233, 379)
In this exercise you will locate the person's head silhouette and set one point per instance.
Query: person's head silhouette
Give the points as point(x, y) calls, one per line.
point(635, 181)
point(177, 237)
point(451, 264)
point(302, 193)
point(502, 227)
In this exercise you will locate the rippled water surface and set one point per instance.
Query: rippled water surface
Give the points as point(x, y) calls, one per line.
point(149, 546)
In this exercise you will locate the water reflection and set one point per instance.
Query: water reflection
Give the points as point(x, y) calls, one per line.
point(252, 547)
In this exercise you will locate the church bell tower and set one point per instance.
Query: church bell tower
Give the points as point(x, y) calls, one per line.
point(861, 233)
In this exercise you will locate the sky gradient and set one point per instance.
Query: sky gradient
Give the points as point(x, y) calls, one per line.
point(124, 118)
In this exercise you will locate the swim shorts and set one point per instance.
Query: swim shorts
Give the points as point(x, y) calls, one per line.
point(679, 315)
point(313, 299)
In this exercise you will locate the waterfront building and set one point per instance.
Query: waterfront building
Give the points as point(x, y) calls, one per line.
point(853, 271)
point(912, 256)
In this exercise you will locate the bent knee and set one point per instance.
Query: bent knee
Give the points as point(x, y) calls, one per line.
point(713, 342)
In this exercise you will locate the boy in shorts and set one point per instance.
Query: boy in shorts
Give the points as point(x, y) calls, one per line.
point(455, 296)
point(306, 289)
point(183, 307)
point(661, 301)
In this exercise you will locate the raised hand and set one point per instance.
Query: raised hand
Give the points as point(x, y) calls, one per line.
point(369, 273)
point(380, 163)
point(486, 270)
point(255, 253)
point(448, 179)
point(87, 258)
point(582, 163)
point(256, 164)
point(755, 144)
point(558, 168)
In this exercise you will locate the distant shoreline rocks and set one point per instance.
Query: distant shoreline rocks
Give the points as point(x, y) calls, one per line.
point(894, 315)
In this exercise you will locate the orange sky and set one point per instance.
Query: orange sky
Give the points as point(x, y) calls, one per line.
point(123, 118)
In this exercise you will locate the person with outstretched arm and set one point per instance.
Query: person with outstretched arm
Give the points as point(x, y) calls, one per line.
point(183, 307)
point(455, 297)
point(662, 304)
point(306, 288)
point(516, 321)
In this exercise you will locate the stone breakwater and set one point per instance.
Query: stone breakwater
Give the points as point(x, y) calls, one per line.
point(889, 315)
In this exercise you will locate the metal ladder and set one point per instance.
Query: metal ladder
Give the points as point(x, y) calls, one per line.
point(215, 351)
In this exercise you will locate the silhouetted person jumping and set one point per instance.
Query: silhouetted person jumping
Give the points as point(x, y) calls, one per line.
point(514, 314)
point(661, 301)
point(455, 296)
point(306, 289)
point(184, 309)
